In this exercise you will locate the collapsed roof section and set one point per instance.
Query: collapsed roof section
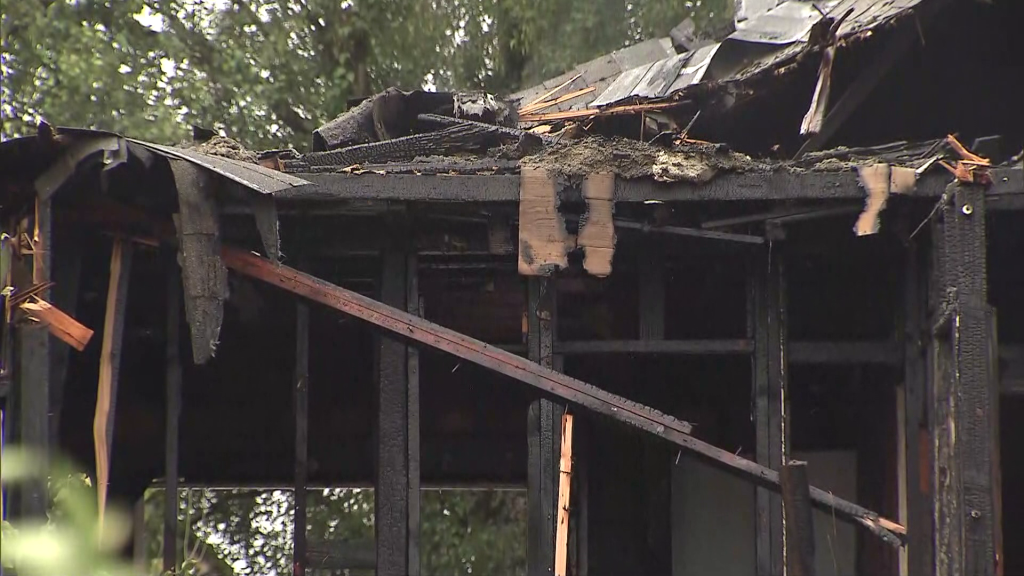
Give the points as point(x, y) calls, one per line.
point(769, 36)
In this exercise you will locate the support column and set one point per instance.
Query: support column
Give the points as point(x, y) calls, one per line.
point(33, 371)
point(395, 414)
point(658, 468)
point(965, 393)
point(770, 373)
point(173, 407)
point(916, 421)
point(414, 305)
point(301, 396)
point(543, 431)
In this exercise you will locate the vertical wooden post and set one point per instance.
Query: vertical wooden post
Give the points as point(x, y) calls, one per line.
point(796, 497)
point(33, 371)
point(393, 473)
point(542, 434)
point(770, 373)
point(917, 461)
point(173, 407)
point(414, 305)
point(965, 393)
point(110, 366)
point(67, 273)
point(657, 461)
point(301, 435)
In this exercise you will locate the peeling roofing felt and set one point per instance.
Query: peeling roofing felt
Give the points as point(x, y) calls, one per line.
point(769, 32)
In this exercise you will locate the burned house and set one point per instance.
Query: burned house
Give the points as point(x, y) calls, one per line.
point(647, 291)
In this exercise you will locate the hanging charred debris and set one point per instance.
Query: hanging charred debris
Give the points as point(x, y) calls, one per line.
point(740, 277)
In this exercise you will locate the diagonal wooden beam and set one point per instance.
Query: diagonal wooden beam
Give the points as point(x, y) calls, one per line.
point(110, 366)
point(406, 325)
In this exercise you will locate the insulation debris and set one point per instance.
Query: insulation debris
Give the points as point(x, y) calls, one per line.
point(876, 180)
point(225, 148)
point(597, 227)
point(634, 159)
point(543, 239)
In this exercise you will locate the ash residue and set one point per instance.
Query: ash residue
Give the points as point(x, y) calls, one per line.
point(225, 148)
point(635, 159)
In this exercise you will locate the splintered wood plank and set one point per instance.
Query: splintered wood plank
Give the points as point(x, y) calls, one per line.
point(597, 230)
point(543, 240)
point(564, 484)
point(62, 326)
point(405, 325)
point(540, 99)
point(110, 362)
point(564, 98)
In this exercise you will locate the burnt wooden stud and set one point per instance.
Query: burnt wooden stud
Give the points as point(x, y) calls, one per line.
point(965, 393)
point(796, 498)
point(32, 373)
point(918, 450)
point(391, 498)
point(110, 366)
point(543, 433)
point(768, 317)
point(414, 305)
point(399, 322)
point(173, 415)
point(67, 273)
point(300, 560)
point(657, 493)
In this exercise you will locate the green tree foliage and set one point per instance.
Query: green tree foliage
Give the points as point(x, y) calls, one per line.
point(243, 532)
point(267, 72)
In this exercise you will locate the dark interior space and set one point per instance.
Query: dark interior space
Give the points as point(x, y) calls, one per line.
point(966, 54)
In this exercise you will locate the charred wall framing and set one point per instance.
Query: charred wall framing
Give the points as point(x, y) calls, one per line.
point(32, 368)
point(918, 451)
point(768, 326)
point(964, 393)
point(396, 499)
point(543, 432)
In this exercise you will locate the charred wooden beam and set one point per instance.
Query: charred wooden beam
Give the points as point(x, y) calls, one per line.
point(542, 434)
point(402, 324)
point(796, 498)
point(916, 422)
point(414, 306)
point(965, 393)
point(781, 184)
point(67, 273)
point(171, 426)
point(32, 371)
point(301, 397)
point(768, 326)
point(391, 500)
point(866, 352)
point(679, 347)
point(110, 366)
point(656, 494)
